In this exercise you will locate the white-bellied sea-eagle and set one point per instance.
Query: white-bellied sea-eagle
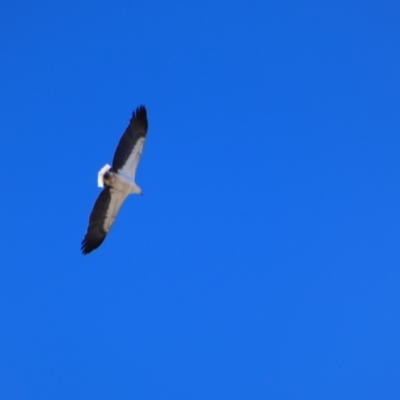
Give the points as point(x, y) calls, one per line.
point(117, 180)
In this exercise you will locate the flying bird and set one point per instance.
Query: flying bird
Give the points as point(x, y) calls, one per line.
point(117, 181)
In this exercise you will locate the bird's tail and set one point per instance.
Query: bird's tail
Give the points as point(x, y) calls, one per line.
point(101, 174)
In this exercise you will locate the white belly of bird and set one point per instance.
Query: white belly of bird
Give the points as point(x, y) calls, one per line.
point(124, 184)
point(118, 181)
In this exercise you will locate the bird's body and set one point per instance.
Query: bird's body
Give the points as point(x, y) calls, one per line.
point(117, 180)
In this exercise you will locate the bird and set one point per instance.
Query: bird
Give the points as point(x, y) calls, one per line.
point(117, 181)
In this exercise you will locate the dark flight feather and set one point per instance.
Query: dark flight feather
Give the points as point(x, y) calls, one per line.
point(96, 233)
point(136, 129)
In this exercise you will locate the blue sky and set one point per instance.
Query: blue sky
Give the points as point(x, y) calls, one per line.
point(262, 261)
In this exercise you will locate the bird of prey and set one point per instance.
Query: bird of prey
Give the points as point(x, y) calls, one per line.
point(117, 180)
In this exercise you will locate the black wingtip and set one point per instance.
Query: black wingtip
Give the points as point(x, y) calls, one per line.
point(88, 245)
point(85, 248)
point(141, 110)
point(140, 115)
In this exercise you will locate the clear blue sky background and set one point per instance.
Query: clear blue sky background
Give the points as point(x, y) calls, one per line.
point(262, 261)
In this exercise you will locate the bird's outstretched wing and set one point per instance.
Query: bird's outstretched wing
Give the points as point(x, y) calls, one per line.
point(130, 145)
point(104, 211)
